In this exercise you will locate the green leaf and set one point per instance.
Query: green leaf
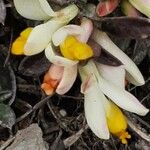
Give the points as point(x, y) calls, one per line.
point(7, 116)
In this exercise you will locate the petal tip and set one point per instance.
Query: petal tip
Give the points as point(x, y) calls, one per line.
point(143, 112)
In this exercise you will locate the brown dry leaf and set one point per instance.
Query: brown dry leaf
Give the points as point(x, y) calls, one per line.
point(126, 27)
point(140, 50)
point(34, 65)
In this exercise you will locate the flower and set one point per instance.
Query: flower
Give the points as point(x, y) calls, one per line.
point(72, 41)
point(41, 35)
point(101, 113)
point(59, 79)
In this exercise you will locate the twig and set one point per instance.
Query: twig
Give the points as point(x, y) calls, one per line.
point(28, 88)
point(144, 98)
point(146, 81)
point(20, 102)
point(32, 117)
point(142, 121)
point(131, 89)
point(127, 147)
point(37, 106)
point(72, 97)
point(24, 116)
point(61, 124)
point(7, 143)
point(138, 131)
point(112, 139)
point(72, 139)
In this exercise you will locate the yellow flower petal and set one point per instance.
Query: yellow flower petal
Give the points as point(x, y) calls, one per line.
point(19, 43)
point(18, 46)
point(115, 118)
point(56, 59)
point(25, 33)
point(117, 122)
point(66, 47)
point(71, 48)
point(82, 51)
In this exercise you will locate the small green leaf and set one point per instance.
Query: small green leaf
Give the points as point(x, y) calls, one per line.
point(7, 116)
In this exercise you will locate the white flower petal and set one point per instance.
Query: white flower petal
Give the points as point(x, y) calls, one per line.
point(55, 72)
point(32, 9)
point(46, 8)
point(113, 74)
point(130, 78)
point(95, 113)
point(68, 78)
point(93, 104)
point(87, 82)
point(120, 96)
point(87, 26)
point(81, 32)
point(103, 39)
point(60, 35)
point(41, 36)
point(68, 13)
point(56, 59)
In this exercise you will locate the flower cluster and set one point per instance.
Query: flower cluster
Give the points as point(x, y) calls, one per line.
point(65, 47)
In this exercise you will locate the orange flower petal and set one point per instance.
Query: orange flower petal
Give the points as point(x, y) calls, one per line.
point(48, 89)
